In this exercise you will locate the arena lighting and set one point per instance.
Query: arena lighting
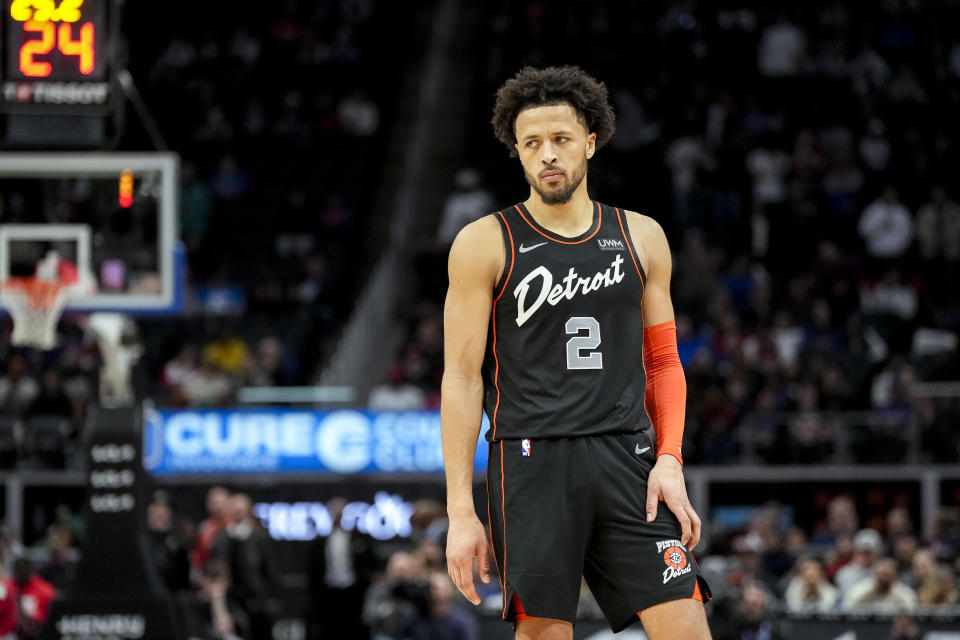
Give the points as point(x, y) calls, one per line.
point(388, 517)
point(278, 395)
point(126, 188)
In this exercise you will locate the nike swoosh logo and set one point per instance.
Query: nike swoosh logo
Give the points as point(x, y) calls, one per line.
point(639, 450)
point(524, 249)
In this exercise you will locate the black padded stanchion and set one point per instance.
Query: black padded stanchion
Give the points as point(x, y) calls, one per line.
point(118, 594)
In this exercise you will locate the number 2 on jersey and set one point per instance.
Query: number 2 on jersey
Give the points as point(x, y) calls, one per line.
point(579, 342)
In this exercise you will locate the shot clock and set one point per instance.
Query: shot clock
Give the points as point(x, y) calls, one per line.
point(56, 56)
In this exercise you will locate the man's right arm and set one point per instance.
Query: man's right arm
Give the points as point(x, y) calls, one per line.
point(476, 258)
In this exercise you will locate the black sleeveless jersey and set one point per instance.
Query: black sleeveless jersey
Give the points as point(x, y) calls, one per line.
point(565, 342)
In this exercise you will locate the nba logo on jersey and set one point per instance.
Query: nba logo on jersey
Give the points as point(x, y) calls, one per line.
point(525, 447)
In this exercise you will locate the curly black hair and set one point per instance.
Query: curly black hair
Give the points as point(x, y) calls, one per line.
point(532, 87)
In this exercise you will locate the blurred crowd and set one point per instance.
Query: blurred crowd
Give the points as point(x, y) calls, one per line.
point(768, 565)
point(227, 573)
point(843, 553)
point(800, 161)
point(275, 114)
point(864, 557)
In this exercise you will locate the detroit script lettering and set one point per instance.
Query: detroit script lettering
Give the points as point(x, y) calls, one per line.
point(554, 293)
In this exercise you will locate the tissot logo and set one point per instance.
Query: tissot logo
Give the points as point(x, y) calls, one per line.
point(610, 244)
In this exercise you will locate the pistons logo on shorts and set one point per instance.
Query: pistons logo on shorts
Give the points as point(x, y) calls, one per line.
point(675, 557)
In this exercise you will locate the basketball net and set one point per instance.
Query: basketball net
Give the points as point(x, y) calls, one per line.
point(36, 303)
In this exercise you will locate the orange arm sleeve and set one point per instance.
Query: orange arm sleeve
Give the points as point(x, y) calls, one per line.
point(666, 396)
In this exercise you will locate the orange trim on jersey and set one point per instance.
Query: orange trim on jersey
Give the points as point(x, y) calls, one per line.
point(697, 595)
point(493, 314)
point(503, 511)
point(534, 227)
point(519, 613)
point(630, 247)
point(490, 527)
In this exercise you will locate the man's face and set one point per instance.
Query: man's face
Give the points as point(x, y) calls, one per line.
point(217, 502)
point(885, 572)
point(554, 147)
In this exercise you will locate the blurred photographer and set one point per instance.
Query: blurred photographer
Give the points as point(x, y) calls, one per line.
point(444, 620)
point(341, 566)
point(254, 566)
point(211, 613)
point(398, 599)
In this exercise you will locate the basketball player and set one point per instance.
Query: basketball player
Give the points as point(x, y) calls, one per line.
point(558, 323)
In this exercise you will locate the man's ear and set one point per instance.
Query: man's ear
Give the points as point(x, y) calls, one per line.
point(591, 145)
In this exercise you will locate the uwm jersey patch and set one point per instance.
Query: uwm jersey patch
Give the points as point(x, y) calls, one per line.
point(565, 341)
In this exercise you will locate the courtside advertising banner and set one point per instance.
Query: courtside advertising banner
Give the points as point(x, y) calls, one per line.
point(238, 441)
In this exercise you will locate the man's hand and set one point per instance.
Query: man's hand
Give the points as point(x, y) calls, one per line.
point(467, 540)
point(666, 483)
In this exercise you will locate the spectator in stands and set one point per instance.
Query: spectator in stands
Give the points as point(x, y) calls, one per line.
point(270, 366)
point(216, 127)
point(945, 542)
point(783, 49)
point(898, 523)
point(922, 567)
point(17, 387)
point(468, 201)
point(939, 588)
point(176, 372)
point(686, 156)
point(168, 550)
point(904, 627)
point(938, 227)
point(875, 147)
point(867, 547)
point(254, 566)
point(768, 166)
point(227, 352)
point(195, 207)
point(393, 602)
point(230, 182)
point(358, 115)
point(443, 619)
point(51, 401)
point(752, 617)
point(842, 520)
point(8, 607)
point(881, 592)
point(886, 227)
point(809, 590)
point(211, 612)
point(341, 567)
point(62, 555)
point(207, 386)
point(904, 547)
point(210, 528)
point(397, 394)
point(34, 595)
point(429, 521)
point(10, 548)
point(890, 298)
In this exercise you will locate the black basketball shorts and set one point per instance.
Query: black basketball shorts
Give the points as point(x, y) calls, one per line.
point(564, 508)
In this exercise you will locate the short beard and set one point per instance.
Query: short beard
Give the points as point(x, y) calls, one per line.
point(563, 196)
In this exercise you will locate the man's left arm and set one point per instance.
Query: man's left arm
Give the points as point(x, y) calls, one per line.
point(666, 393)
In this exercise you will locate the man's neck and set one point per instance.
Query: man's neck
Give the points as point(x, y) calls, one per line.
point(569, 219)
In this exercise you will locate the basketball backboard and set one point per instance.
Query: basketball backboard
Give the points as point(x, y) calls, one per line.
point(112, 215)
